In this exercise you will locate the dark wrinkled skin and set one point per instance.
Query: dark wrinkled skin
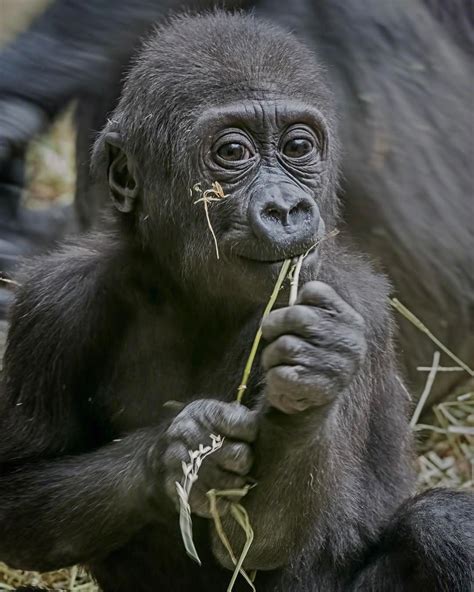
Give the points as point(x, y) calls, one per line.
point(142, 312)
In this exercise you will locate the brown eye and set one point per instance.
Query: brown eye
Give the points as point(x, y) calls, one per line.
point(233, 151)
point(297, 148)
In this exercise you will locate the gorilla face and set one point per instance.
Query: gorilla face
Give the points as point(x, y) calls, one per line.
point(265, 136)
point(269, 157)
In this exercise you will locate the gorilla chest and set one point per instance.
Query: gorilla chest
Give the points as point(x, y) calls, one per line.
point(158, 362)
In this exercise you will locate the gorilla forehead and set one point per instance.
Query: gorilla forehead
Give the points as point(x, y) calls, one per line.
point(212, 59)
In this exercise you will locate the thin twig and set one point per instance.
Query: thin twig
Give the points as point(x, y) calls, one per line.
point(426, 391)
point(402, 309)
point(441, 369)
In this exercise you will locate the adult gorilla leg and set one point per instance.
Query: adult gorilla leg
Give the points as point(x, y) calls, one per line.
point(429, 545)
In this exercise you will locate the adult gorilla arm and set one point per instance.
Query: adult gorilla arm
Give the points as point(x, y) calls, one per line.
point(75, 47)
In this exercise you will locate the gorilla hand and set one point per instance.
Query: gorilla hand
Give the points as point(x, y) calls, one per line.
point(225, 469)
point(315, 350)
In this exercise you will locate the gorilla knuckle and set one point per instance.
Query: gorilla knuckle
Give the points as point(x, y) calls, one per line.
point(283, 377)
point(238, 458)
point(181, 428)
point(289, 345)
point(300, 317)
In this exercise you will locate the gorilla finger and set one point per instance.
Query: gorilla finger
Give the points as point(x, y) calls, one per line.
point(294, 320)
point(286, 350)
point(334, 362)
point(289, 404)
point(186, 429)
point(323, 296)
point(300, 381)
point(230, 420)
point(293, 394)
point(235, 457)
point(171, 490)
point(284, 378)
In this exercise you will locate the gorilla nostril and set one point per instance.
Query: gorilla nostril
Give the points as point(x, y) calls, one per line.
point(303, 206)
point(273, 214)
point(300, 212)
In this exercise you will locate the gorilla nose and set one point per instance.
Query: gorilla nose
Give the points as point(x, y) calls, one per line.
point(272, 217)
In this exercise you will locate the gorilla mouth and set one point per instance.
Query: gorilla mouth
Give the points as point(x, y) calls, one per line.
point(268, 261)
point(278, 257)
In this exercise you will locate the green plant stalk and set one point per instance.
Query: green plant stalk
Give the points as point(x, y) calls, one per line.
point(256, 342)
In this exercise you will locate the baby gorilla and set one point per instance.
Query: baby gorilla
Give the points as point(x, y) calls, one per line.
point(107, 330)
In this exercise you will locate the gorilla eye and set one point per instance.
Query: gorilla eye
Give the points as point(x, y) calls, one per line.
point(233, 152)
point(297, 147)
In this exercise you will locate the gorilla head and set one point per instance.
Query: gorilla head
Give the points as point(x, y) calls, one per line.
point(219, 98)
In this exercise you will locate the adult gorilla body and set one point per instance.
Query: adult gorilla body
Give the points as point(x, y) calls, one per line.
point(402, 78)
point(146, 312)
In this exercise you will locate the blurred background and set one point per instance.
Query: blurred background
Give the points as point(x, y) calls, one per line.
point(50, 161)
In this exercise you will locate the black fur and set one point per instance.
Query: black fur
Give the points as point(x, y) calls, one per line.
point(106, 330)
point(401, 71)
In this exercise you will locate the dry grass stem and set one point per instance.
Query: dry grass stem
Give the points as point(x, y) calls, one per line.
point(215, 193)
point(75, 579)
point(9, 282)
point(237, 511)
point(403, 310)
point(441, 369)
point(427, 390)
point(190, 476)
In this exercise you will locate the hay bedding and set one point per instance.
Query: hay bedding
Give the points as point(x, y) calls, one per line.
point(75, 579)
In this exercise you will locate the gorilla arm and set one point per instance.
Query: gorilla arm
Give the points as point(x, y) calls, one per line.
point(65, 495)
point(311, 466)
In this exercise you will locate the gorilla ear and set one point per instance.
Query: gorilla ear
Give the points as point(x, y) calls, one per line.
point(123, 185)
